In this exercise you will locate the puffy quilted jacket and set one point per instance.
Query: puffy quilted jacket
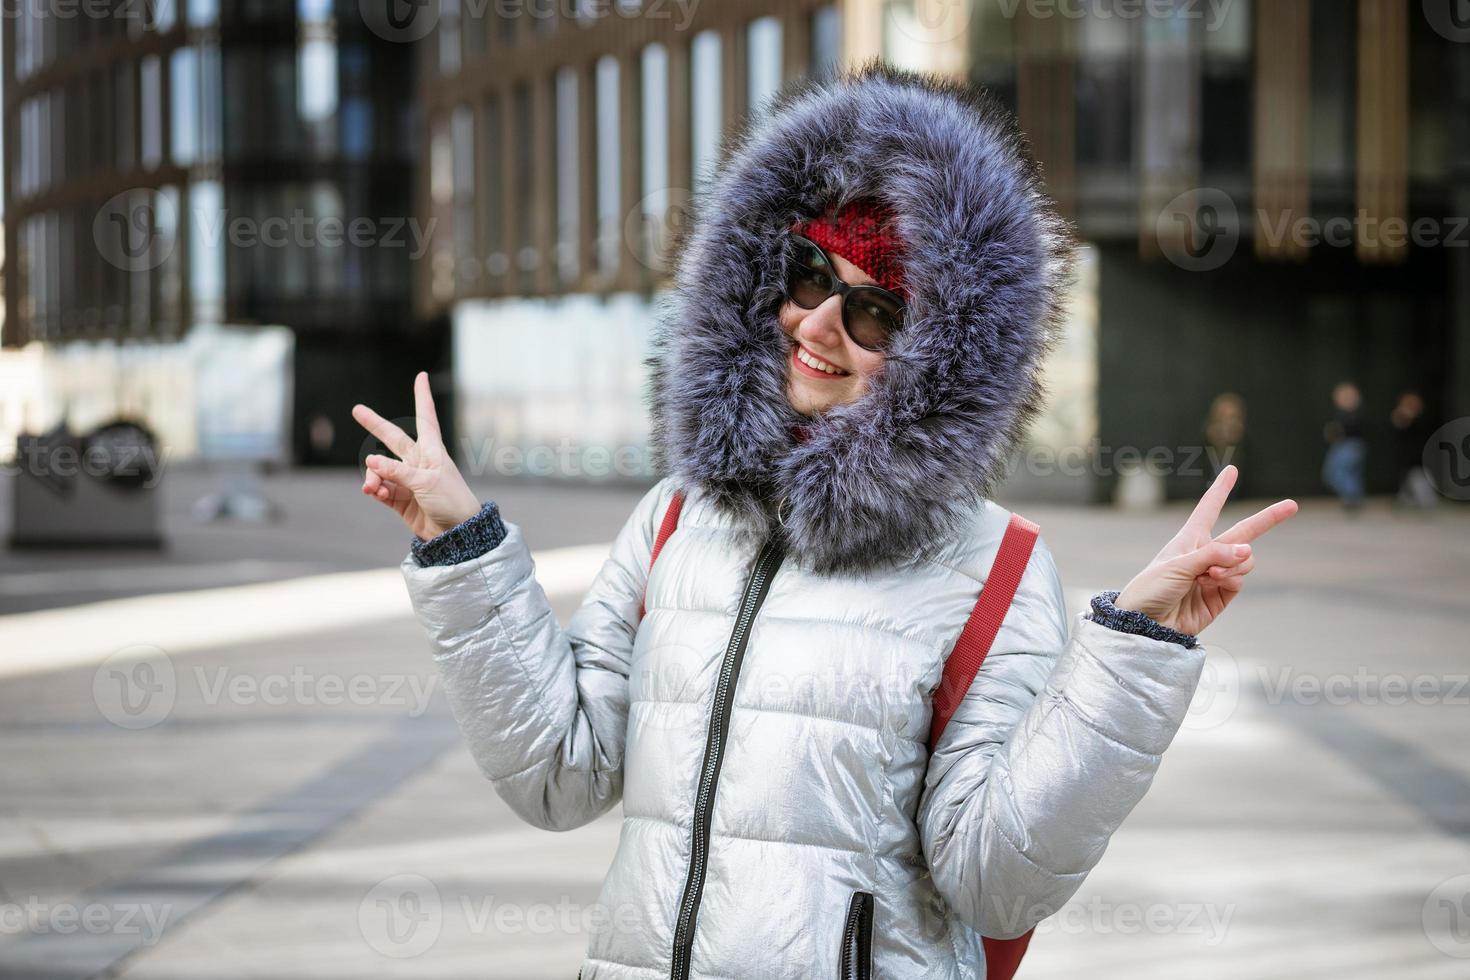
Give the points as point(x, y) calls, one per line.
point(764, 722)
point(764, 728)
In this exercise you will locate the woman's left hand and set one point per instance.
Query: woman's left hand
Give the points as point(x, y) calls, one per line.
point(1191, 581)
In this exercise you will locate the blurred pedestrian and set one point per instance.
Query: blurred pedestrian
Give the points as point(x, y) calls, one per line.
point(1347, 447)
point(1224, 433)
point(843, 372)
point(1412, 427)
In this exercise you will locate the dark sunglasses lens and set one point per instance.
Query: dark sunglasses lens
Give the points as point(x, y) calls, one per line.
point(872, 318)
point(810, 279)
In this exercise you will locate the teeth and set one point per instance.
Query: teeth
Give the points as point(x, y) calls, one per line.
point(810, 361)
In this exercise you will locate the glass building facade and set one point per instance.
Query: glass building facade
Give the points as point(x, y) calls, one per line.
point(195, 162)
point(1248, 176)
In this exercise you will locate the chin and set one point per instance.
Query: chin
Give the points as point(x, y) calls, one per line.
point(808, 402)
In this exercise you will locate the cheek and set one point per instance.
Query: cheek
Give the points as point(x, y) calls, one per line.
point(865, 362)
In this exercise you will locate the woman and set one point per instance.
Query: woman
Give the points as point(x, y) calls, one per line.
point(860, 317)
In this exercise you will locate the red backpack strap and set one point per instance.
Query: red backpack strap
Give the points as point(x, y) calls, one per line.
point(1002, 956)
point(984, 623)
point(670, 521)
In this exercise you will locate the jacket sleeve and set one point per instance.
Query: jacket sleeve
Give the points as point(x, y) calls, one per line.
point(542, 709)
point(1052, 746)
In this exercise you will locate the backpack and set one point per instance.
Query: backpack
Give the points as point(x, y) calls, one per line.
point(1002, 956)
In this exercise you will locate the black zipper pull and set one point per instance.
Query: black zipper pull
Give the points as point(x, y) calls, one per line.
point(857, 938)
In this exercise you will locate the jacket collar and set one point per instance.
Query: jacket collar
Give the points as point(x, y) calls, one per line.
point(894, 474)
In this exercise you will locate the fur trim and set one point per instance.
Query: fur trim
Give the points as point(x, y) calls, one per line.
point(897, 473)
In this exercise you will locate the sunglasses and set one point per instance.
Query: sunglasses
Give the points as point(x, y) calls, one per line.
point(871, 315)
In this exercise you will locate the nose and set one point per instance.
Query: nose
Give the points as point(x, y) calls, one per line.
point(822, 328)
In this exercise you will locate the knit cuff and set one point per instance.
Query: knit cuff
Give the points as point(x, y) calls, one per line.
point(1104, 613)
point(468, 539)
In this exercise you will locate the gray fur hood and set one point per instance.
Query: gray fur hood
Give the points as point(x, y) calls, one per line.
point(987, 258)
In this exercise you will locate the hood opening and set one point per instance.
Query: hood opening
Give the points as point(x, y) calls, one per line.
point(986, 262)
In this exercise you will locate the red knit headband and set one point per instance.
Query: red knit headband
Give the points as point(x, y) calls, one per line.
point(864, 233)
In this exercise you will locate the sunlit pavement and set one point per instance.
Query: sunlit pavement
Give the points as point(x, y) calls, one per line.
point(229, 760)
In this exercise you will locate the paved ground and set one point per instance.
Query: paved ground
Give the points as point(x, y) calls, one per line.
point(228, 760)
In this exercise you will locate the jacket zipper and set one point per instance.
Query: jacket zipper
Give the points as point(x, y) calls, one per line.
point(857, 938)
point(714, 750)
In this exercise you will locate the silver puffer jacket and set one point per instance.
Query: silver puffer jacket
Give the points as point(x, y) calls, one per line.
point(764, 723)
point(768, 786)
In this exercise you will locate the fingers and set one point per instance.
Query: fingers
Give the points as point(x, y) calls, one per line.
point(1207, 511)
point(375, 486)
point(423, 403)
point(388, 434)
point(389, 469)
point(1231, 583)
point(1226, 556)
point(1219, 573)
point(1259, 523)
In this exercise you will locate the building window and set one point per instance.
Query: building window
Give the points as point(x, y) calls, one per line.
point(763, 62)
point(706, 104)
point(202, 13)
point(826, 33)
point(450, 42)
point(184, 90)
point(206, 251)
point(163, 15)
point(276, 131)
point(150, 102)
point(355, 117)
point(1105, 96)
point(473, 27)
point(1334, 47)
point(993, 51)
point(126, 99)
point(523, 187)
point(294, 262)
point(462, 134)
point(26, 34)
point(654, 73)
point(168, 276)
point(1226, 92)
point(210, 101)
point(58, 160)
point(357, 127)
point(1431, 122)
point(317, 94)
point(609, 163)
point(905, 41)
point(492, 193)
point(328, 212)
point(313, 11)
point(568, 176)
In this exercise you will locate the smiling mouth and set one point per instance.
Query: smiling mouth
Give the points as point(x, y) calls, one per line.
point(813, 366)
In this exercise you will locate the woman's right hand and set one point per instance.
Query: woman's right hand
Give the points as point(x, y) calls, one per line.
point(423, 485)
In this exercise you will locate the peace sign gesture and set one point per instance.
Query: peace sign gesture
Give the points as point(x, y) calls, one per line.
point(1191, 581)
point(423, 485)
